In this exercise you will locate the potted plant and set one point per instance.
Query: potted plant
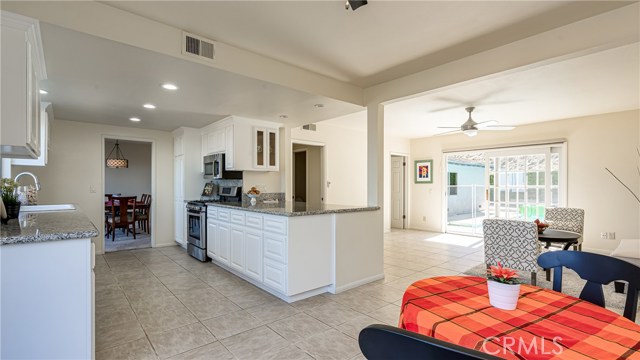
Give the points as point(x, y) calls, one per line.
point(10, 198)
point(504, 287)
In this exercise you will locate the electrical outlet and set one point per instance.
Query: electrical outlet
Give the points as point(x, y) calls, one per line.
point(604, 236)
point(612, 236)
point(424, 219)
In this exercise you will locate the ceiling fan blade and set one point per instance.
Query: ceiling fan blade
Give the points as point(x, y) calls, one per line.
point(449, 132)
point(449, 127)
point(486, 123)
point(498, 127)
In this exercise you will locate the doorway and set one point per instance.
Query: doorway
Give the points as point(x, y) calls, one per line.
point(398, 191)
point(134, 179)
point(308, 173)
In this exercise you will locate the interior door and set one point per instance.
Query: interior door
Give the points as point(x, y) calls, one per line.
point(397, 192)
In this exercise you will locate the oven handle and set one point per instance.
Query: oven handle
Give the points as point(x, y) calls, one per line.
point(195, 212)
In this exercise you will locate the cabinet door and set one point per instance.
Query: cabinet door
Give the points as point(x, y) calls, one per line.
point(237, 248)
point(211, 143)
point(253, 251)
point(275, 275)
point(272, 149)
point(179, 214)
point(222, 242)
point(33, 101)
point(229, 150)
point(219, 140)
point(212, 231)
point(178, 178)
point(259, 151)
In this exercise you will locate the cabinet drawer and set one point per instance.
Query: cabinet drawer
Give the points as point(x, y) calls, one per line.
point(275, 224)
point(275, 247)
point(254, 221)
point(275, 275)
point(237, 217)
point(223, 215)
point(212, 213)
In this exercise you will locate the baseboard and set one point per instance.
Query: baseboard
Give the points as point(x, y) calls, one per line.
point(597, 251)
point(355, 284)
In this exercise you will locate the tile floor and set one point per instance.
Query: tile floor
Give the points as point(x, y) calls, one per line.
point(161, 303)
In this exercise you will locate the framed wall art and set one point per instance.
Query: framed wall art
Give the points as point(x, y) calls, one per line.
point(424, 171)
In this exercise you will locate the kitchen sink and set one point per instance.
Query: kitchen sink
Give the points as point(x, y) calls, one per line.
point(43, 208)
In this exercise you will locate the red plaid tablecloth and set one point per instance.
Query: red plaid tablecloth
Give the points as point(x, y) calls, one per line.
point(545, 325)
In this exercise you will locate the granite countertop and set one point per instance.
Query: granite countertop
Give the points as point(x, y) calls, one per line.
point(294, 208)
point(47, 226)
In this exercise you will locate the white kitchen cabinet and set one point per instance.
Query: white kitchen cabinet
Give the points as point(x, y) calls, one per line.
point(229, 149)
point(237, 251)
point(47, 300)
point(223, 242)
point(212, 231)
point(215, 141)
point(46, 117)
point(275, 275)
point(187, 181)
point(253, 253)
point(22, 68)
point(265, 148)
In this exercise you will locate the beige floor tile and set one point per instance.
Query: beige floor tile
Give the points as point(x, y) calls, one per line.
point(182, 282)
point(113, 315)
point(208, 308)
point(298, 327)
point(166, 269)
point(145, 293)
point(272, 311)
point(383, 292)
point(251, 299)
point(213, 351)
point(196, 295)
point(361, 302)
point(237, 287)
point(111, 336)
point(227, 325)
point(333, 314)
point(290, 352)
point(134, 350)
point(179, 340)
point(331, 344)
point(155, 303)
point(353, 327)
point(252, 344)
point(165, 319)
point(310, 303)
point(389, 314)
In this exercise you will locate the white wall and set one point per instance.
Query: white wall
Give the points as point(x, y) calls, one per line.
point(594, 142)
point(75, 170)
point(345, 152)
point(134, 180)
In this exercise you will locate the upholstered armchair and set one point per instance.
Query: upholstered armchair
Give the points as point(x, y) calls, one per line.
point(514, 243)
point(568, 219)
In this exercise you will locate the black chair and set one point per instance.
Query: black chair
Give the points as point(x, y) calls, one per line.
point(384, 342)
point(598, 270)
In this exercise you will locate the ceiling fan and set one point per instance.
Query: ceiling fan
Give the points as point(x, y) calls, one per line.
point(471, 128)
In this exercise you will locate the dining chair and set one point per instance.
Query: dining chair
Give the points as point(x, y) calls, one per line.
point(119, 218)
point(513, 243)
point(384, 342)
point(567, 219)
point(598, 270)
point(143, 213)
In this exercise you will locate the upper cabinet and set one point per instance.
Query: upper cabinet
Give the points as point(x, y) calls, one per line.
point(22, 68)
point(46, 118)
point(248, 144)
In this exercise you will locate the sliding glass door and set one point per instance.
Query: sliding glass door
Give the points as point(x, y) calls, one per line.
point(514, 183)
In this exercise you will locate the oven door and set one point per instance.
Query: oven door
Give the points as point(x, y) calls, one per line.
point(196, 228)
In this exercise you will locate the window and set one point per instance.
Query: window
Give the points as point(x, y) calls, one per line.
point(453, 183)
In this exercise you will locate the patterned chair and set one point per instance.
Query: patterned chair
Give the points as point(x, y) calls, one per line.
point(569, 219)
point(514, 243)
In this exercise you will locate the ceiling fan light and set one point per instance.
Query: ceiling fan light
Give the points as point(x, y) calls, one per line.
point(470, 132)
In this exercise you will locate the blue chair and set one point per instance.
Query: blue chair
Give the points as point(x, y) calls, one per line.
point(384, 342)
point(598, 270)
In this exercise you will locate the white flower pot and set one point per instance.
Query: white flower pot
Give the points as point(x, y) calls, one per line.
point(503, 296)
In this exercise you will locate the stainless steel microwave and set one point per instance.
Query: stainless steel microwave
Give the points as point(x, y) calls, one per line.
point(213, 166)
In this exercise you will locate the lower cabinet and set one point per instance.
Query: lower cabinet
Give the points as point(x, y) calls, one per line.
point(212, 229)
point(222, 242)
point(253, 250)
point(275, 275)
point(237, 247)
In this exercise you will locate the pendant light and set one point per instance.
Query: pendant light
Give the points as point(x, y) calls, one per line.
point(117, 162)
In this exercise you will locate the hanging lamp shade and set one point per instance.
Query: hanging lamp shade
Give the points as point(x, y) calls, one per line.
point(117, 161)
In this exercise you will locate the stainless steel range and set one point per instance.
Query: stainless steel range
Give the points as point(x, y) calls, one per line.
point(197, 216)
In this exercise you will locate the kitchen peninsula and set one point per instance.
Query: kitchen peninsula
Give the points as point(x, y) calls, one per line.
point(47, 298)
point(297, 250)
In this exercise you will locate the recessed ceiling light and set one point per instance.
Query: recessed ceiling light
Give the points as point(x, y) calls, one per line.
point(319, 105)
point(284, 116)
point(168, 86)
point(134, 119)
point(43, 92)
point(149, 106)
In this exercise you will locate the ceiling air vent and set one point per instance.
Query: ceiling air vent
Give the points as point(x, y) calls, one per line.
point(310, 127)
point(195, 45)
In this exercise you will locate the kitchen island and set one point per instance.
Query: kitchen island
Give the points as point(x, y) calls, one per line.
point(297, 250)
point(47, 297)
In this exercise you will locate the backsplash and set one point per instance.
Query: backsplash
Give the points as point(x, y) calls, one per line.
point(262, 197)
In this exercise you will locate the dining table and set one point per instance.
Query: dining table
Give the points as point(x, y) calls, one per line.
point(546, 324)
point(567, 238)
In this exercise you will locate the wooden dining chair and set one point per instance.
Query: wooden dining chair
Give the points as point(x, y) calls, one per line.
point(143, 213)
point(598, 270)
point(119, 218)
point(384, 342)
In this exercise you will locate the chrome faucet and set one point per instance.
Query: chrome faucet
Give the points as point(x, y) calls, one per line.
point(35, 179)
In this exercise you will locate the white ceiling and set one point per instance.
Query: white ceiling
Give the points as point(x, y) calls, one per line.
point(96, 80)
